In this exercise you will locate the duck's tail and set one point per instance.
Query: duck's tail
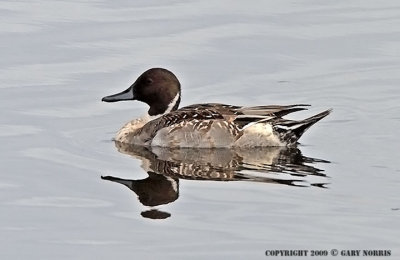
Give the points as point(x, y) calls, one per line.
point(290, 130)
point(301, 126)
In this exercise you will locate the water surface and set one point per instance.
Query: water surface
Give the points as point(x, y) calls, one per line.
point(60, 58)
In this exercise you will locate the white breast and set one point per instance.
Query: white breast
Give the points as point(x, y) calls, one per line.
point(127, 133)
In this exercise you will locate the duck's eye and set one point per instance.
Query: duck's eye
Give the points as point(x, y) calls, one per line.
point(149, 81)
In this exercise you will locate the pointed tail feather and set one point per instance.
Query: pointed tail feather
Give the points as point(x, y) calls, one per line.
point(303, 125)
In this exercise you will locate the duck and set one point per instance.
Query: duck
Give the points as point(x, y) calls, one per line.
point(205, 125)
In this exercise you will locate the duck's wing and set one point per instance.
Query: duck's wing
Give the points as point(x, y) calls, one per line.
point(191, 114)
point(244, 116)
point(271, 110)
point(240, 115)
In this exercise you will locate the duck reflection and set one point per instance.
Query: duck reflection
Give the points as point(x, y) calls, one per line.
point(165, 166)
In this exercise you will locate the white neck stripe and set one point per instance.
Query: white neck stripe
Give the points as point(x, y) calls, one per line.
point(172, 104)
point(147, 118)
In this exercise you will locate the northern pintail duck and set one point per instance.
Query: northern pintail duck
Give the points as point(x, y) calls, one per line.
point(206, 125)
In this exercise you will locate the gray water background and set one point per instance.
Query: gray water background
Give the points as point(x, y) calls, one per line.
point(59, 58)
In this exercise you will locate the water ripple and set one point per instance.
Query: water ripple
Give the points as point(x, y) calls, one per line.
point(61, 202)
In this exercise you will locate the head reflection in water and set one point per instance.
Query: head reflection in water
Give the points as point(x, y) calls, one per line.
point(155, 190)
point(165, 166)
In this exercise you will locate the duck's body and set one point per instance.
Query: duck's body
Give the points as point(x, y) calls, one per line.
point(204, 125)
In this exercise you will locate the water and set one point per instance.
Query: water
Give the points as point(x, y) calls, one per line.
point(59, 59)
